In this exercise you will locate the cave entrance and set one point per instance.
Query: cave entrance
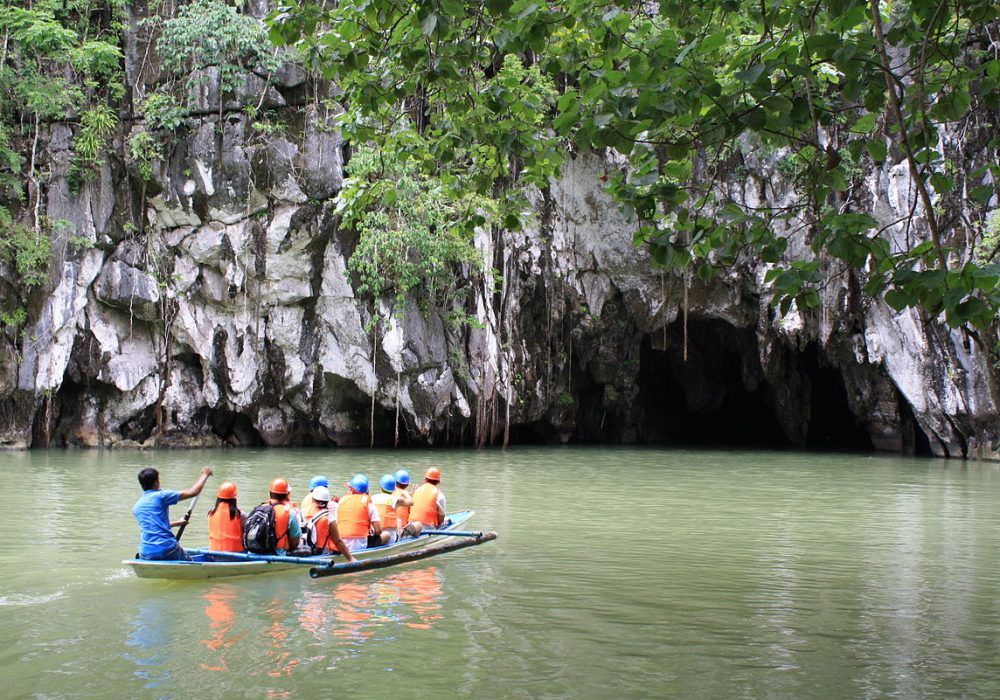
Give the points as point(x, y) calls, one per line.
point(832, 424)
point(718, 397)
point(704, 400)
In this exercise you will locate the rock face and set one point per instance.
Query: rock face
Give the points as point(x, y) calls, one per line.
point(227, 315)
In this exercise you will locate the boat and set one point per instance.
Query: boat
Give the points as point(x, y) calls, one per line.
point(208, 564)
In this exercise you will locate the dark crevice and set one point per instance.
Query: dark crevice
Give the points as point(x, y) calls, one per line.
point(703, 401)
point(832, 425)
point(915, 441)
point(233, 428)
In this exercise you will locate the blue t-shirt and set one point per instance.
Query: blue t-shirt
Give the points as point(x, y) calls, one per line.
point(152, 510)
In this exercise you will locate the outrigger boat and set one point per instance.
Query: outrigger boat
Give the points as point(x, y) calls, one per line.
point(207, 564)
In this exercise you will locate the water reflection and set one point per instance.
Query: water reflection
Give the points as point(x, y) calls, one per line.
point(355, 611)
point(281, 652)
point(222, 620)
point(148, 640)
point(421, 591)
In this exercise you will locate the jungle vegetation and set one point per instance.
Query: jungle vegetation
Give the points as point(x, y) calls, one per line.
point(473, 106)
point(490, 97)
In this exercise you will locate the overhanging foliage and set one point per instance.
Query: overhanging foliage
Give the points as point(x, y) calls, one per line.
point(683, 90)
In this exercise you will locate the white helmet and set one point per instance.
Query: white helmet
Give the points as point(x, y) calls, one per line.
point(321, 493)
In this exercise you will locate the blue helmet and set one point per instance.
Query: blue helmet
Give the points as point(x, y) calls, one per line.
point(402, 477)
point(318, 481)
point(359, 483)
point(388, 483)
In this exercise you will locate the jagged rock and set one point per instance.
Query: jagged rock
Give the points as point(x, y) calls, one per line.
point(128, 289)
point(320, 158)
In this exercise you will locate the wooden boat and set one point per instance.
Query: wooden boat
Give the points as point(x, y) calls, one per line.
point(207, 564)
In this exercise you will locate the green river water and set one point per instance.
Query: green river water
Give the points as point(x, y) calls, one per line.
point(618, 573)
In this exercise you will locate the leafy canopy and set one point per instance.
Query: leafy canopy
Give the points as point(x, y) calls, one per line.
point(690, 94)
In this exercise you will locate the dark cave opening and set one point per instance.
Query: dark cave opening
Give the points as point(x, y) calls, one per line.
point(703, 401)
point(717, 397)
point(57, 414)
point(233, 428)
point(832, 425)
point(538, 433)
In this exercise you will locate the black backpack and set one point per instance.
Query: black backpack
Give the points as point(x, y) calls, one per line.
point(259, 534)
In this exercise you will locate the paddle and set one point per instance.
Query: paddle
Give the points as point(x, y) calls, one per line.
point(187, 518)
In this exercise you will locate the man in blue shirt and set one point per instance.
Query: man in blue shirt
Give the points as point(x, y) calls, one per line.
point(152, 510)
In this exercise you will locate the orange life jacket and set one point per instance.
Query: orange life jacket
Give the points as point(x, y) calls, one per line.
point(225, 534)
point(386, 513)
point(282, 512)
point(402, 512)
point(319, 527)
point(425, 507)
point(352, 516)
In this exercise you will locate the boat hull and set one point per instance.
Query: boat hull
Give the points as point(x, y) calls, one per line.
point(206, 564)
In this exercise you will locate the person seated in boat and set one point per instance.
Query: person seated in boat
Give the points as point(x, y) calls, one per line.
point(308, 506)
point(225, 521)
point(429, 505)
point(356, 516)
point(321, 533)
point(287, 530)
point(389, 503)
point(152, 511)
point(405, 502)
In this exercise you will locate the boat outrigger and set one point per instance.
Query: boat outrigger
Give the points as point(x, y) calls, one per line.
point(208, 564)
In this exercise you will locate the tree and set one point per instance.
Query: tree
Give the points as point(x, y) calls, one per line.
point(682, 90)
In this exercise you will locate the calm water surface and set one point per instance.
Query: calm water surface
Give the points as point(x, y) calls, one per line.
point(618, 573)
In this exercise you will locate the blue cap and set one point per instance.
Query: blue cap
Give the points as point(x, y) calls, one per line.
point(359, 483)
point(388, 483)
point(318, 481)
point(402, 477)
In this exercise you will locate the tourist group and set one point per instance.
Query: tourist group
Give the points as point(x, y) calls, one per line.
point(322, 524)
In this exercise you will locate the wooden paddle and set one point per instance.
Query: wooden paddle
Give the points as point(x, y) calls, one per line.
point(187, 518)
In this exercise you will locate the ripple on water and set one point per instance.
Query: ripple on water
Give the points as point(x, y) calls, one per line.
point(27, 600)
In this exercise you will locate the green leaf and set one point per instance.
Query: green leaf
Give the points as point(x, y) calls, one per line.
point(567, 120)
point(752, 74)
point(876, 149)
point(982, 194)
point(941, 183)
point(428, 24)
point(836, 179)
point(778, 103)
point(896, 299)
point(865, 124)
point(952, 105)
point(706, 272)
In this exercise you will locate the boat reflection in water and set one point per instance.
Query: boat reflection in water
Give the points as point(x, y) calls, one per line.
point(282, 647)
point(354, 611)
point(221, 621)
point(421, 591)
point(148, 641)
point(322, 625)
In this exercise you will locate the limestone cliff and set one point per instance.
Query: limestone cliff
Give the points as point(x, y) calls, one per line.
point(214, 306)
